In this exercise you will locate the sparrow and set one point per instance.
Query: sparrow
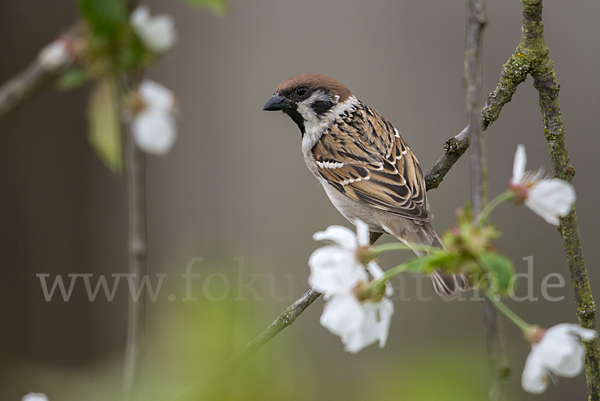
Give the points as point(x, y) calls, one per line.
point(365, 166)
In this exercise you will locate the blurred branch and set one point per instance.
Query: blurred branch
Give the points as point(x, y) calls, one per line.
point(513, 73)
point(33, 79)
point(476, 21)
point(534, 52)
point(285, 319)
point(136, 183)
point(29, 82)
point(499, 368)
point(138, 251)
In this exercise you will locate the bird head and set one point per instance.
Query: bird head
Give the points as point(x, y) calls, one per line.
point(311, 100)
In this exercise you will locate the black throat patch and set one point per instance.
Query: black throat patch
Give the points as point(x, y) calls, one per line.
point(297, 117)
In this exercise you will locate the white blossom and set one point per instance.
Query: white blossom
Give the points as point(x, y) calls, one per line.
point(339, 275)
point(54, 55)
point(154, 128)
point(548, 198)
point(558, 352)
point(156, 95)
point(34, 397)
point(154, 132)
point(156, 33)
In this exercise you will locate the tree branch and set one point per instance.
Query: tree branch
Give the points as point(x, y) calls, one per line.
point(138, 249)
point(513, 73)
point(136, 184)
point(454, 147)
point(536, 55)
point(499, 367)
point(23, 86)
point(476, 21)
point(285, 319)
point(32, 80)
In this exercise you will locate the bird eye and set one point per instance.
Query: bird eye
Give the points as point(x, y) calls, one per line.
point(301, 90)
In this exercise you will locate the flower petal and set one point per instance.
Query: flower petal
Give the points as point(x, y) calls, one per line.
point(155, 95)
point(362, 233)
point(156, 33)
point(342, 236)
point(563, 356)
point(375, 326)
point(35, 397)
point(585, 334)
point(375, 271)
point(54, 55)
point(154, 131)
point(550, 199)
point(334, 271)
point(139, 16)
point(535, 377)
point(561, 350)
point(343, 316)
point(385, 310)
point(519, 164)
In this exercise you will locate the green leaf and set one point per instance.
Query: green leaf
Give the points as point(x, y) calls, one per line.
point(218, 7)
point(414, 265)
point(104, 123)
point(104, 15)
point(501, 271)
point(132, 54)
point(428, 263)
point(72, 79)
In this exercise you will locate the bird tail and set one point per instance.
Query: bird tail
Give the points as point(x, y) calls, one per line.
point(411, 232)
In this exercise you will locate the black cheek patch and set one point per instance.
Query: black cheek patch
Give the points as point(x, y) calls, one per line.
point(321, 106)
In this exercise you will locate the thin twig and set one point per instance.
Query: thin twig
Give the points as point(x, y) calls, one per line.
point(499, 367)
point(476, 21)
point(136, 182)
point(511, 76)
point(23, 86)
point(454, 148)
point(285, 319)
point(540, 66)
point(513, 73)
point(32, 80)
point(138, 249)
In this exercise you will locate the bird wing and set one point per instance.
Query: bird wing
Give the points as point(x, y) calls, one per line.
point(363, 156)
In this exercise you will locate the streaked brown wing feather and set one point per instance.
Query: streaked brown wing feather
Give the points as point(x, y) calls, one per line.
point(363, 157)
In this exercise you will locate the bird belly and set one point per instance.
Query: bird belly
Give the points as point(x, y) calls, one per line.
point(353, 210)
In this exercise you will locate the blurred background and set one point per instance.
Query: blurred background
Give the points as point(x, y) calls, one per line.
point(235, 192)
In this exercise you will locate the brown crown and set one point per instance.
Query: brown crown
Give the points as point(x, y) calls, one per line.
point(314, 81)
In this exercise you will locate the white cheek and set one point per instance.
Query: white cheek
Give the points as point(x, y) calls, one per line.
point(309, 115)
point(315, 125)
point(311, 119)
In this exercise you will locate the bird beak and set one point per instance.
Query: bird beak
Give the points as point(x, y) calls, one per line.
point(276, 103)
